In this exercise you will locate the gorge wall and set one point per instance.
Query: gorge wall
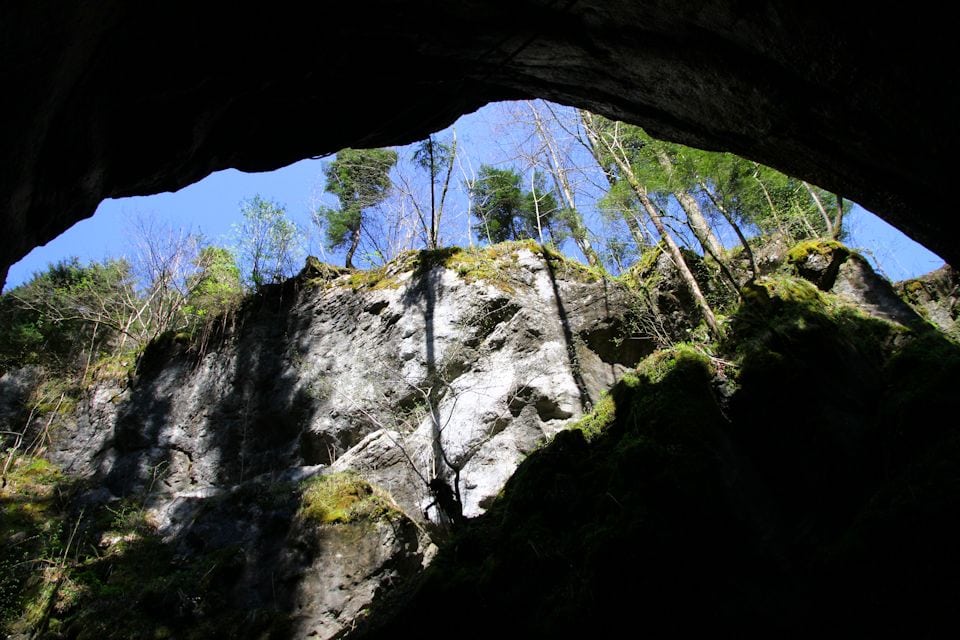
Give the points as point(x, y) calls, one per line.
point(355, 454)
point(433, 378)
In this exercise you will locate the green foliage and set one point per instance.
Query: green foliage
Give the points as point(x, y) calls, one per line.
point(494, 264)
point(658, 365)
point(499, 201)
point(63, 312)
point(507, 211)
point(604, 412)
point(800, 251)
point(218, 287)
point(338, 225)
point(266, 241)
point(757, 196)
point(360, 179)
point(762, 200)
point(345, 497)
point(433, 156)
point(540, 214)
point(30, 527)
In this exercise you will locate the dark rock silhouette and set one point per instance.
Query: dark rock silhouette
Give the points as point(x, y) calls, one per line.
point(118, 98)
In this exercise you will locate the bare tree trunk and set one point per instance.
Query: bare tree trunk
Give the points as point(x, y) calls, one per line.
point(838, 221)
point(633, 225)
point(469, 181)
point(823, 212)
point(574, 221)
point(93, 337)
point(678, 259)
point(773, 209)
point(641, 192)
point(731, 281)
point(354, 243)
point(432, 239)
point(698, 223)
point(536, 206)
point(446, 187)
point(736, 229)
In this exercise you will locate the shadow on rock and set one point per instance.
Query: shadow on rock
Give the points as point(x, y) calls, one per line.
point(809, 488)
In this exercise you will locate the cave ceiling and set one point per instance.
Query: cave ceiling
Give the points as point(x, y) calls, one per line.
point(112, 99)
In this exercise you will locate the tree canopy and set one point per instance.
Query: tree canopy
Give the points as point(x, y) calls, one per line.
point(507, 211)
point(360, 179)
point(267, 242)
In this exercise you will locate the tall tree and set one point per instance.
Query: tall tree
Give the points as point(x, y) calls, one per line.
point(165, 263)
point(437, 158)
point(556, 165)
point(217, 284)
point(498, 198)
point(763, 199)
point(266, 238)
point(360, 179)
point(617, 151)
point(540, 211)
point(506, 211)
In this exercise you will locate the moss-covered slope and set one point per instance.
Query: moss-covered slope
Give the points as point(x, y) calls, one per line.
point(804, 483)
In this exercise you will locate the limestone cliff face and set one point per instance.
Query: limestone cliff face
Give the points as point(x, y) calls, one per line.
point(935, 296)
point(802, 484)
point(448, 367)
point(289, 478)
point(413, 373)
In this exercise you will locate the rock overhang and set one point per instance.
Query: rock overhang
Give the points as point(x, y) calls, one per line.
point(120, 99)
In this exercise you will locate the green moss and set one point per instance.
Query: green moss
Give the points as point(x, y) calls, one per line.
point(596, 422)
point(28, 497)
point(653, 370)
point(345, 497)
point(117, 368)
point(388, 276)
point(32, 475)
point(493, 264)
point(571, 268)
point(30, 530)
point(658, 365)
point(799, 252)
point(55, 394)
point(315, 272)
point(643, 273)
point(371, 279)
point(779, 312)
point(914, 286)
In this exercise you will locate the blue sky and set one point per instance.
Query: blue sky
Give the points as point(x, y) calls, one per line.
point(212, 206)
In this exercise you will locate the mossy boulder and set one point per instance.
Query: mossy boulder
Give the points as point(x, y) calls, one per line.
point(818, 261)
point(344, 497)
point(314, 271)
point(936, 297)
